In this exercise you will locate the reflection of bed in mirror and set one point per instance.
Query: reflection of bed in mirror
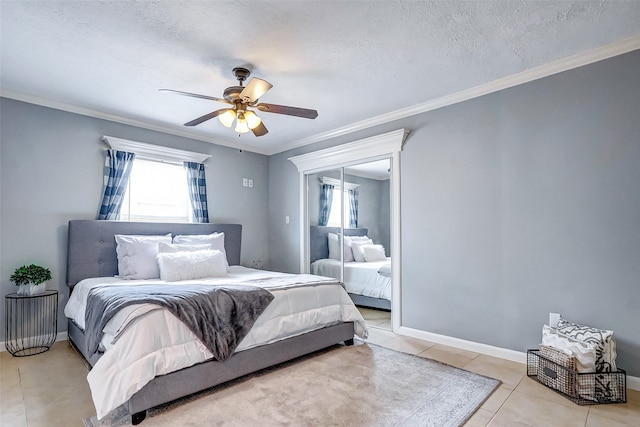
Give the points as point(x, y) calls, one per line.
point(368, 283)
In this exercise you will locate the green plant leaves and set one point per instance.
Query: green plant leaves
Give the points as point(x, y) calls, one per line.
point(34, 274)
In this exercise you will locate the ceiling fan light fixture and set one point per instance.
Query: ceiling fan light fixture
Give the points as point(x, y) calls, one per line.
point(241, 124)
point(227, 117)
point(238, 99)
point(253, 121)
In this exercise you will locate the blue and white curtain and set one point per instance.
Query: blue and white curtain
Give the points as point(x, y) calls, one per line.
point(197, 184)
point(326, 198)
point(353, 208)
point(117, 168)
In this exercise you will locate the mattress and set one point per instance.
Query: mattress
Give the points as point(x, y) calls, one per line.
point(361, 278)
point(144, 341)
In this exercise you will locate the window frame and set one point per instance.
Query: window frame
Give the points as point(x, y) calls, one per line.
point(340, 188)
point(155, 153)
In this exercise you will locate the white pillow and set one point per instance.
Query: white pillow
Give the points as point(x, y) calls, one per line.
point(602, 339)
point(215, 239)
point(584, 353)
point(358, 252)
point(374, 253)
point(168, 248)
point(137, 255)
point(334, 247)
point(191, 265)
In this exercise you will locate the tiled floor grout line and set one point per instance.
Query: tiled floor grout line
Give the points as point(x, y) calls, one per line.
point(586, 421)
point(24, 404)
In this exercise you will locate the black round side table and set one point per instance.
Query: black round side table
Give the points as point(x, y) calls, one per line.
point(31, 322)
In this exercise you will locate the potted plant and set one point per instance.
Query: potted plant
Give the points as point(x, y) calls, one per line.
point(30, 278)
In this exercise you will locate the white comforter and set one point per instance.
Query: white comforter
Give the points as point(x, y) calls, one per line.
point(160, 343)
point(360, 278)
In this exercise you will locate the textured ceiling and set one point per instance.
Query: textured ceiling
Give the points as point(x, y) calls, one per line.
point(349, 60)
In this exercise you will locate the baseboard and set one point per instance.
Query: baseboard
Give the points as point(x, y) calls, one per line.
point(61, 336)
point(633, 383)
point(489, 350)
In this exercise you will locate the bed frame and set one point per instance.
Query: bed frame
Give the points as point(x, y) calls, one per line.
point(92, 253)
point(319, 249)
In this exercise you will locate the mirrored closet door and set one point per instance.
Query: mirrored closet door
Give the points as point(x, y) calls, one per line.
point(348, 211)
point(370, 206)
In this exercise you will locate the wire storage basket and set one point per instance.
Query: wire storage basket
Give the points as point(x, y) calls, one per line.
point(590, 388)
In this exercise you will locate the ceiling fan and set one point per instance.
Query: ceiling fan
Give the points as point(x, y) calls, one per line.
point(241, 98)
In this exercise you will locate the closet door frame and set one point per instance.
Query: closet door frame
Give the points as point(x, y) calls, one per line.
point(387, 145)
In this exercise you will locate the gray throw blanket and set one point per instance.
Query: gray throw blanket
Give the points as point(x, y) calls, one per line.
point(219, 316)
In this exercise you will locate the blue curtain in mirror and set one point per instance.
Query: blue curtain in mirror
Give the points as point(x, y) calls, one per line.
point(117, 169)
point(326, 198)
point(197, 184)
point(353, 208)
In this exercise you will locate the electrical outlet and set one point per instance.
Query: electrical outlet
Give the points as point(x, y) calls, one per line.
point(250, 183)
point(256, 264)
point(286, 219)
point(245, 182)
point(553, 319)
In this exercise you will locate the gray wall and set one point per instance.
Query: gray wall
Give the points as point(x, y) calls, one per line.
point(51, 166)
point(370, 210)
point(515, 204)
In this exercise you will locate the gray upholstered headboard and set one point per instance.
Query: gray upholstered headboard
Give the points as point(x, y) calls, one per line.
point(318, 241)
point(92, 248)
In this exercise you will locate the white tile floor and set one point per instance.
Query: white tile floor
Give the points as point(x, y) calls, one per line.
point(519, 401)
point(50, 389)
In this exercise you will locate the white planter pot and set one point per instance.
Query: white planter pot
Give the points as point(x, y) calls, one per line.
point(31, 289)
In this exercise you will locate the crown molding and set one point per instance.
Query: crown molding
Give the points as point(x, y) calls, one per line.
point(536, 73)
point(359, 151)
point(123, 120)
point(565, 64)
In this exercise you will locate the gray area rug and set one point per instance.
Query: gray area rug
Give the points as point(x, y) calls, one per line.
point(360, 385)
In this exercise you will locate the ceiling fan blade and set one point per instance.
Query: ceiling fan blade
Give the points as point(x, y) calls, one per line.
point(255, 89)
point(206, 117)
point(289, 111)
point(195, 95)
point(260, 130)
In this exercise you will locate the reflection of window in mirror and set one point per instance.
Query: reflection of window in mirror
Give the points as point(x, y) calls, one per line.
point(334, 214)
point(321, 200)
point(347, 193)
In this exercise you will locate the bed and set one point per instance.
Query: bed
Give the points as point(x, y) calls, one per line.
point(368, 283)
point(275, 337)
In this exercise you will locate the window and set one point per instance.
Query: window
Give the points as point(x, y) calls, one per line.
point(157, 191)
